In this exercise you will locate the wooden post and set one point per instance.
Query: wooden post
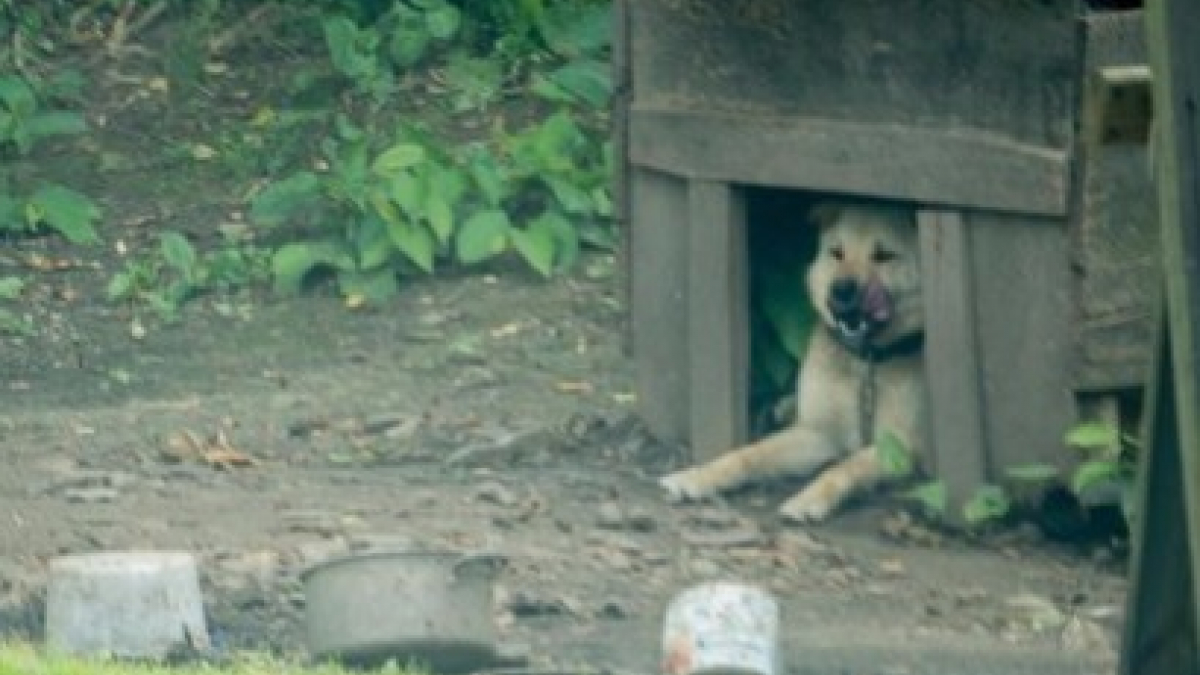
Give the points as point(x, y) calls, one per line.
point(952, 365)
point(718, 318)
point(1161, 633)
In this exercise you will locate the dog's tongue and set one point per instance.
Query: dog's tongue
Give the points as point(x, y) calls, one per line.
point(876, 304)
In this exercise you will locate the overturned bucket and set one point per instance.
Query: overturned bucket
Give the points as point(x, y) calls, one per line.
point(722, 628)
point(138, 604)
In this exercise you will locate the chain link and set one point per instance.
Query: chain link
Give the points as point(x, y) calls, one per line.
point(866, 404)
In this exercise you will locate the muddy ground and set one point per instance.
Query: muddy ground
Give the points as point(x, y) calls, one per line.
point(481, 411)
point(475, 413)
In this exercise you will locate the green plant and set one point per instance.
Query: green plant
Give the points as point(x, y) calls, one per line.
point(1109, 463)
point(24, 124)
point(537, 193)
point(403, 36)
point(164, 281)
point(12, 323)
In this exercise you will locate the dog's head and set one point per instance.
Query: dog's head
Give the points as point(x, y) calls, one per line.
point(866, 280)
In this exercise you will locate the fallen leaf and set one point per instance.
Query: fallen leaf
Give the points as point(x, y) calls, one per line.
point(574, 387)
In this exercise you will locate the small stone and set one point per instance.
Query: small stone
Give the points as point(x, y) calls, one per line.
point(494, 492)
point(613, 608)
point(610, 516)
point(704, 568)
point(91, 495)
point(892, 568)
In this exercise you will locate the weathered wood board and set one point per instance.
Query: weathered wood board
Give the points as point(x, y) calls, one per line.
point(1162, 633)
point(1115, 241)
point(989, 65)
point(658, 253)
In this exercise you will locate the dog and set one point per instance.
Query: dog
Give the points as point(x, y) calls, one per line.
point(862, 375)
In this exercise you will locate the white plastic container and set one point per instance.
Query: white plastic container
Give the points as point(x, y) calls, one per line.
point(139, 604)
point(722, 628)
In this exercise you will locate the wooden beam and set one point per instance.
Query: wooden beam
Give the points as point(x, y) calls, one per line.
point(1175, 60)
point(658, 310)
point(955, 393)
point(718, 318)
point(959, 168)
point(1162, 633)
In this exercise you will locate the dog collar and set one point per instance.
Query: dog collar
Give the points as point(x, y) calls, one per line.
point(908, 345)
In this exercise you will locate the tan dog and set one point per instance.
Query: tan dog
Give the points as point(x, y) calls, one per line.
point(861, 377)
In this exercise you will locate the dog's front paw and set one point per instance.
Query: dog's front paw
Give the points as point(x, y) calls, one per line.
point(687, 485)
point(810, 506)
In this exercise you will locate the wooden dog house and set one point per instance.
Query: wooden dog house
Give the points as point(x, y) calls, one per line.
point(966, 109)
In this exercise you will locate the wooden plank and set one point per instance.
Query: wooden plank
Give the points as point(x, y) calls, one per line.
point(658, 309)
point(622, 76)
point(718, 318)
point(1021, 289)
point(1175, 60)
point(1160, 639)
point(1160, 635)
point(934, 166)
point(958, 455)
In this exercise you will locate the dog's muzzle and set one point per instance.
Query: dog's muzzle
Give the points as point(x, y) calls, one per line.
point(858, 310)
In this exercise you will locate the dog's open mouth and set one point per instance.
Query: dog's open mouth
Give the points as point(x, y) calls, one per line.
point(854, 331)
point(867, 317)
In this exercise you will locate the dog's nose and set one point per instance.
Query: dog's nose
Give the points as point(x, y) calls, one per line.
point(844, 297)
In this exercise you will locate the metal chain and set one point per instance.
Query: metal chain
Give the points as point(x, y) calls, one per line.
point(866, 404)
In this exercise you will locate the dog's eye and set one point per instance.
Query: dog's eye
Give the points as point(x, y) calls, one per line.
point(883, 256)
point(837, 253)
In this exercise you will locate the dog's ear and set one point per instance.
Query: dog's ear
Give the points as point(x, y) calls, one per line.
point(824, 215)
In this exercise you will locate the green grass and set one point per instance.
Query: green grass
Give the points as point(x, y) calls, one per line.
point(26, 659)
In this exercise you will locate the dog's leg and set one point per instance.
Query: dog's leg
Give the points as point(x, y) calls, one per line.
point(794, 451)
point(818, 499)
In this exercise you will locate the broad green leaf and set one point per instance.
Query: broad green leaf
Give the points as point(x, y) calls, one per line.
point(566, 236)
point(292, 263)
point(572, 198)
point(1093, 436)
point(178, 252)
point(17, 96)
point(572, 29)
point(66, 211)
point(440, 217)
point(372, 243)
point(488, 175)
point(414, 241)
point(482, 236)
point(346, 49)
point(11, 288)
point(536, 246)
point(275, 203)
point(446, 183)
point(895, 457)
point(376, 285)
point(1090, 474)
point(410, 37)
point(931, 495)
point(988, 503)
point(1033, 472)
point(398, 158)
point(407, 190)
point(55, 123)
point(442, 22)
point(585, 81)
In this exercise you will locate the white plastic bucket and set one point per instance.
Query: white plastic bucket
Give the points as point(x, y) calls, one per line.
point(124, 603)
point(722, 628)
